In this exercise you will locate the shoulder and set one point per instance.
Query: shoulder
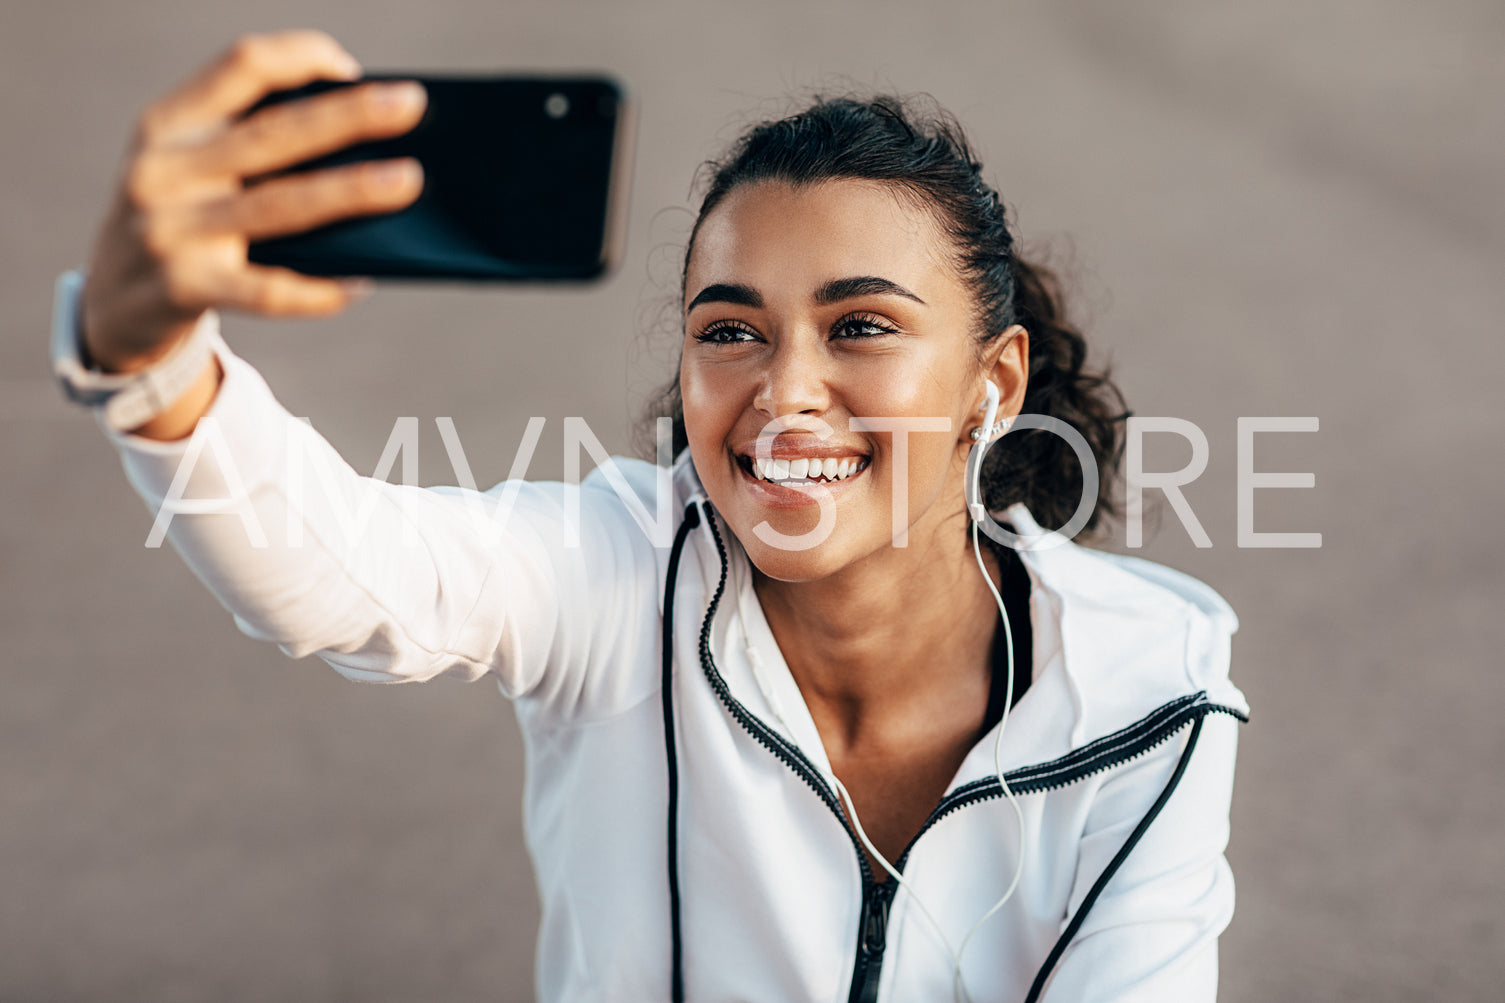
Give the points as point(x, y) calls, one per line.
point(1134, 634)
point(622, 499)
point(635, 511)
point(625, 484)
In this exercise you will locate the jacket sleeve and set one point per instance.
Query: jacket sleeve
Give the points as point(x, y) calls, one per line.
point(387, 582)
point(1152, 935)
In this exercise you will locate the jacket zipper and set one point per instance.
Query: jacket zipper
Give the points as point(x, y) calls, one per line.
point(1106, 753)
point(877, 897)
point(783, 750)
point(872, 938)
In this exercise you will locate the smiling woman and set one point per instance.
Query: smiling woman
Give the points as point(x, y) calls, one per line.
point(850, 292)
point(820, 747)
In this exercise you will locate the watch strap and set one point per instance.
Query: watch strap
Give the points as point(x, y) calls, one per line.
point(81, 384)
point(125, 400)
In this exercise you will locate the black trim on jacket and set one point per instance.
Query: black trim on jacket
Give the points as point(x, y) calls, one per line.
point(1102, 754)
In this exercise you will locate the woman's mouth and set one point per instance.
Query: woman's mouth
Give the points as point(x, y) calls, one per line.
point(803, 471)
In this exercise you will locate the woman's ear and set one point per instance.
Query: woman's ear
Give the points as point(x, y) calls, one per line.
point(1007, 364)
point(1005, 373)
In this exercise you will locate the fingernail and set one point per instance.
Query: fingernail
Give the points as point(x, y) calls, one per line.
point(349, 68)
point(398, 173)
point(400, 97)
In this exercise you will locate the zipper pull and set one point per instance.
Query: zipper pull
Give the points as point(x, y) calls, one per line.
point(875, 919)
point(876, 899)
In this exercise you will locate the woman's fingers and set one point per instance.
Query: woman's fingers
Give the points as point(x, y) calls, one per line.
point(252, 68)
point(176, 241)
point(296, 131)
point(280, 292)
point(297, 202)
point(215, 278)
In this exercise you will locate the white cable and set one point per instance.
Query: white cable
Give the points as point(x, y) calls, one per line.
point(959, 984)
point(1008, 701)
point(757, 666)
point(899, 878)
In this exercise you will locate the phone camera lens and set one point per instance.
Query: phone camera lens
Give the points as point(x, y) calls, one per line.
point(556, 105)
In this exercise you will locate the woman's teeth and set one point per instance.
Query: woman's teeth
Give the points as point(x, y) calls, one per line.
point(827, 469)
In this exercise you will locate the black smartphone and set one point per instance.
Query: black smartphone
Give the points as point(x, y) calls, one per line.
point(525, 179)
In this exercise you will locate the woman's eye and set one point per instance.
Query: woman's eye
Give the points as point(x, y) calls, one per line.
point(725, 334)
point(860, 327)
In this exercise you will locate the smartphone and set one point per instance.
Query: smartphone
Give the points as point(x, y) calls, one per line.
point(525, 180)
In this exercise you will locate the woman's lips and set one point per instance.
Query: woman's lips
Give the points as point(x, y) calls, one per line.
point(815, 469)
point(786, 489)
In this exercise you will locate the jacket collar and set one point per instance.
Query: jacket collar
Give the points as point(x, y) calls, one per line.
point(1094, 615)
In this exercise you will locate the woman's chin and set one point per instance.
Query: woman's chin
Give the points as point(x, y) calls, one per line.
point(795, 550)
point(792, 566)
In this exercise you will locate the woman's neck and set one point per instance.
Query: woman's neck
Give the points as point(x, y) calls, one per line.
point(893, 645)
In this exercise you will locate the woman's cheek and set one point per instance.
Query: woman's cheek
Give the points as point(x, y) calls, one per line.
point(699, 412)
point(930, 462)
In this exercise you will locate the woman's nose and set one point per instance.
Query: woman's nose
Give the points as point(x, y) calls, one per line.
point(795, 382)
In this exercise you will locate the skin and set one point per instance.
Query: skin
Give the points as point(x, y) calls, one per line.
point(889, 645)
point(188, 203)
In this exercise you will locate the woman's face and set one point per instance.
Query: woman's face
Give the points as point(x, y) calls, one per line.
point(808, 308)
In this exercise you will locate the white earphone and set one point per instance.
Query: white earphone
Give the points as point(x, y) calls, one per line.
point(989, 409)
point(983, 435)
point(983, 438)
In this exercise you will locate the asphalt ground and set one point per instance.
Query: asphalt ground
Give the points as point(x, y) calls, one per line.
point(1277, 209)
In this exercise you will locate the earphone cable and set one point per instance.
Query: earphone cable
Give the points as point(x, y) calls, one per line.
point(1008, 701)
point(959, 985)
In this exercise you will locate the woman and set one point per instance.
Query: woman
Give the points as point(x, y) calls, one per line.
point(767, 762)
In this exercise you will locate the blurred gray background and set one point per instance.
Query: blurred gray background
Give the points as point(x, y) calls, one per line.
point(1273, 209)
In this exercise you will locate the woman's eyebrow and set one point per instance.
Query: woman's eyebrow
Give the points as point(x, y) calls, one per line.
point(832, 292)
point(727, 292)
point(864, 285)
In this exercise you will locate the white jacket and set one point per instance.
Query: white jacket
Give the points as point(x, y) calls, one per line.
point(1130, 659)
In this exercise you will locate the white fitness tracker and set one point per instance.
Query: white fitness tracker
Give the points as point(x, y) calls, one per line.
point(124, 400)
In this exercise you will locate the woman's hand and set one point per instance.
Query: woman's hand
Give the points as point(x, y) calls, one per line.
point(175, 241)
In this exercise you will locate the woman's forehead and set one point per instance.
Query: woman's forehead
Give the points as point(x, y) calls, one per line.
point(795, 239)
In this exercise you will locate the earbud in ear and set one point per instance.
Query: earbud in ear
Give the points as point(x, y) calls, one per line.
point(982, 435)
point(989, 427)
point(990, 402)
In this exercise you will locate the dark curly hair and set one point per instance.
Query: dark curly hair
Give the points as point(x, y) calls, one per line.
point(924, 154)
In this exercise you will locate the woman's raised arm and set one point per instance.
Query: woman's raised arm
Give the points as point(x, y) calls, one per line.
point(385, 582)
point(188, 204)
